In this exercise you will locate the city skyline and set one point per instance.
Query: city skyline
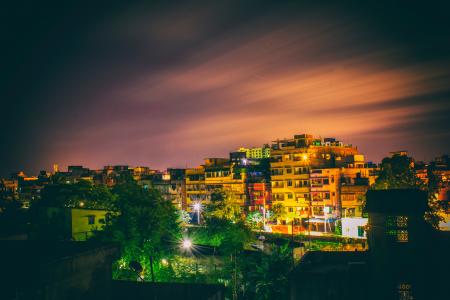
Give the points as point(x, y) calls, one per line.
point(168, 85)
point(242, 148)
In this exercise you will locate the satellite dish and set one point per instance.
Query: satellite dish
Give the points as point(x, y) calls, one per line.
point(135, 266)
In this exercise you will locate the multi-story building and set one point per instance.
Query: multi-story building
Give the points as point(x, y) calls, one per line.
point(256, 152)
point(214, 175)
point(195, 187)
point(325, 204)
point(9, 189)
point(306, 174)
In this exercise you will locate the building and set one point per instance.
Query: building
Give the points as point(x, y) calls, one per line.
point(353, 194)
point(77, 224)
point(170, 183)
point(256, 152)
point(306, 176)
point(407, 258)
point(9, 189)
point(216, 174)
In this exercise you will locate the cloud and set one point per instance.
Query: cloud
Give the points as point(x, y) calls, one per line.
point(171, 85)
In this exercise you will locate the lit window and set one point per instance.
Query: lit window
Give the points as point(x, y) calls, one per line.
point(402, 222)
point(405, 291)
point(402, 236)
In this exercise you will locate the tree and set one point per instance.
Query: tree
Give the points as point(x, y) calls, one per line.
point(254, 220)
point(146, 226)
point(277, 212)
point(47, 213)
point(223, 206)
point(265, 276)
point(81, 194)
point(397, 172)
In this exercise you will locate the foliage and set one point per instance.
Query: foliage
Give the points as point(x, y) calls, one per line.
point(147, 225)
point(338, 227)
point(277, 212)
point(265, 276)
point(397, 172)
point(227, 235)
point(434, 185)
point(183, 217)
point(254, 220)
point(223, 206)
point(81, 194)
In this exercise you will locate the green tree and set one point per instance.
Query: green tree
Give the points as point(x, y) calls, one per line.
point(254, 220)
point(223, 206)
point(146, 226)
point(397, 172)
point(277, 212)
point(265, 276)
point(81, 194)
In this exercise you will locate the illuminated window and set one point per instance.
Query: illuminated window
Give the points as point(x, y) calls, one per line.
point(404, 291)
point(402, 222)
point(402, 236)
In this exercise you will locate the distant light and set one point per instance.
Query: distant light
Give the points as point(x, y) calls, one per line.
point(197, 206)
point(164, 261)
point(244, 161)
point(187, 244)
point(305, 157)
point(81, 203)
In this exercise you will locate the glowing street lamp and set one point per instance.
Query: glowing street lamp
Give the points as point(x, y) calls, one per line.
point(305, 157)
point(186, 244)
point(197, 206)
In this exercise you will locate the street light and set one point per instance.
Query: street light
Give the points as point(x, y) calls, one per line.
point(197, 207)
point(187, 244)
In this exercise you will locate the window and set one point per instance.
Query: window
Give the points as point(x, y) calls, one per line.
point(402, 236)
point(289, 196)
point(405, 291)
point(289, 183)
point(402, 222)
point(91, 219)
point(397, 228)
point(291, 209)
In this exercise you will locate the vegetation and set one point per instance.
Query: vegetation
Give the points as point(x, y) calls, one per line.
point(223, 206)
point(146, 227)
point(397, 172)
point(83, 194)
point(278, 212)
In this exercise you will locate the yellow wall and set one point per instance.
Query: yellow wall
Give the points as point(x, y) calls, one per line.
point(81, 229)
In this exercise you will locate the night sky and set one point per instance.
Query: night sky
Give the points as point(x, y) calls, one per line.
point(168, 85)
